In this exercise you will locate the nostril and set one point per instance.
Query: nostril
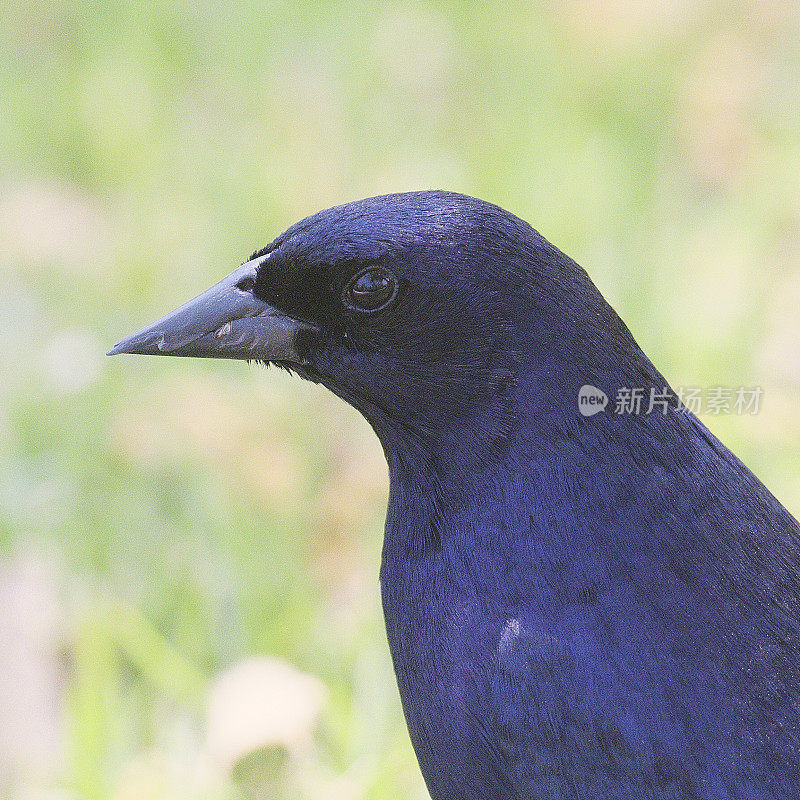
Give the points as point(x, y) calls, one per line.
point(246, 284)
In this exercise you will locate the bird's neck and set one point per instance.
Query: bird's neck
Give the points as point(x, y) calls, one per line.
point(512, 456)
point(466, 495)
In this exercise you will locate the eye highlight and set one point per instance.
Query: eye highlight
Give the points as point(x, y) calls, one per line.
point(370, 290)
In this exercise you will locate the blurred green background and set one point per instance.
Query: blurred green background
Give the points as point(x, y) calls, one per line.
point(189, 551)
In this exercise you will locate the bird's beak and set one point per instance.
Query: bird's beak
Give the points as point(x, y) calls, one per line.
point(225, 321)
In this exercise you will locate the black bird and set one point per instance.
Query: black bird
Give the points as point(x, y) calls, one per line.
point(578, 607)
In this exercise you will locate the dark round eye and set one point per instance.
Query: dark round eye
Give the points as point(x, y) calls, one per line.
point(370, 290)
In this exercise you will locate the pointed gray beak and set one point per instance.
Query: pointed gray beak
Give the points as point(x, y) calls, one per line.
point(225, 321)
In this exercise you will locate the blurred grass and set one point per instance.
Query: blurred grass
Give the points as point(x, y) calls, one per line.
point(182, 516)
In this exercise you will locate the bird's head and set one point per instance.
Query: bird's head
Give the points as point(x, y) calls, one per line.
point(423, 310)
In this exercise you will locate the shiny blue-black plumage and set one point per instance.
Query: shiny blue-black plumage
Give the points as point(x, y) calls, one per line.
point(578, 608)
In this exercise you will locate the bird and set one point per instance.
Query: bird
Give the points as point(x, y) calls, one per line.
point(579, 605)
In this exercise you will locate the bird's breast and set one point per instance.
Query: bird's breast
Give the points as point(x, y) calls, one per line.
point(530, 699)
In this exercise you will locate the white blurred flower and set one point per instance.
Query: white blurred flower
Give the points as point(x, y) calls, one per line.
point(71, 360)
point(55, 222)
point(260, 702)
point(31, 679)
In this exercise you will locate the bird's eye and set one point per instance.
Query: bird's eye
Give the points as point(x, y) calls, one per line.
point(370, 290)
